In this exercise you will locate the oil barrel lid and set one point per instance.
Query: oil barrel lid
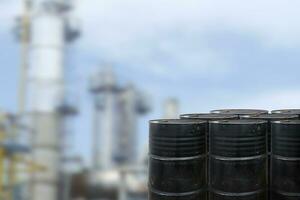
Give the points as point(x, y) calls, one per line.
point(272, 116)
point(177, 137)
point(176, 121)
point(208, 116)
point(288, 122)
point(240, 111)
point(239, 122)
point(287, 111)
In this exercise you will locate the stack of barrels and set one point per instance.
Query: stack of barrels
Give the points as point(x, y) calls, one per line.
point(230, 154)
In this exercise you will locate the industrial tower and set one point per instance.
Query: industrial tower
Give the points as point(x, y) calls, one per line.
point(116, 109)
point(49, 30)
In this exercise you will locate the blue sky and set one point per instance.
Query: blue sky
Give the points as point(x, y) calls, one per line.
point(209, 54)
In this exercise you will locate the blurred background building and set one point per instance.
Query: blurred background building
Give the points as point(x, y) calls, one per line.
point(34, 159)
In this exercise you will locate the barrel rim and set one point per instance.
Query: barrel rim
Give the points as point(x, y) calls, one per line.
point(239, 111)
point(289, 121)
point(238, 122)
point(202, 116)
point(177, 121)
point(271, 116)
point(291, 111)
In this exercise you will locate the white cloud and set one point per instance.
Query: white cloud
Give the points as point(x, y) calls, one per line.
point(274, 99)
point(120, 21)
point(138, 31)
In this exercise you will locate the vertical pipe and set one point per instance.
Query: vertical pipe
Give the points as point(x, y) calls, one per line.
point(25, 23)
point(12, 176)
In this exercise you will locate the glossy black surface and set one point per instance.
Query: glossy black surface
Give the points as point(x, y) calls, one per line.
point(194, 196)
point(259, 196)
point(177, 176)
point(286, 175)
point(177, 160)
point(270, 118)
point(285, 160)
point(238, 138)
point(208, 117)
point(238, 176)
point(279, 196)
point(177, 138)
point(286, 138)
point(238, 160)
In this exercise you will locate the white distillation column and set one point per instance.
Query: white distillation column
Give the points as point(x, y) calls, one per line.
point(105, 91)
point(46, 93)
point(133, 104)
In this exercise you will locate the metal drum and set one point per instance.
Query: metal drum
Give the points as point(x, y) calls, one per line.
point(208, 117)
point(177, 160)
point(240, 112)
point(238, 160)
point(285, 160)
point(287, 111)
point(269, 118)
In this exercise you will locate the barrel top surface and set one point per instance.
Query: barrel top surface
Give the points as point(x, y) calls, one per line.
point(270, 116)
point(296, 122)
point(207, 116)
point(239, 122)
point(239, 111)
point(176, 121)
point(287, 111)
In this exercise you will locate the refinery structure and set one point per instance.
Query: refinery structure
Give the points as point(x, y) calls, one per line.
point(33, 156)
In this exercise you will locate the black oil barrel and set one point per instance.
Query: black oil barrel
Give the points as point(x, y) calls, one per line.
point(208, 117)
point(240, 112)
point(238, 160)
point(269, 118)
point(287, 111)
point(177, 160)
point(285, 160)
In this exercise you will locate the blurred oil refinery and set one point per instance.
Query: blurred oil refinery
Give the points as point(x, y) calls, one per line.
point(34, 160)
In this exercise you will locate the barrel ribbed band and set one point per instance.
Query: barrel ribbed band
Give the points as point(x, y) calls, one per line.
point(177, 159)
point(278, 157)
point(176, 194)
point(240, 194)
point(237, 158)
point(289, 194)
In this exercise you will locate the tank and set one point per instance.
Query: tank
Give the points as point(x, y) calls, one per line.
point(177, 160)
point(240, 112)
point(285, 160)
point(238, 160)
point(208, 117)
point(287, 111)
point(269, 118)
